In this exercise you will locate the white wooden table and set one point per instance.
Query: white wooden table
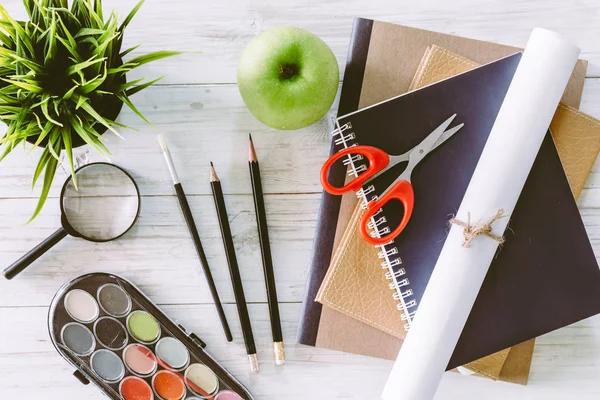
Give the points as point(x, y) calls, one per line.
point(199, 105)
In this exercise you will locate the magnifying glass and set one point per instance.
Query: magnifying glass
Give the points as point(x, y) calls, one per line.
point(102, 207)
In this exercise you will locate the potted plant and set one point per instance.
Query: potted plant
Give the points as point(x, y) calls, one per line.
point(63, 80)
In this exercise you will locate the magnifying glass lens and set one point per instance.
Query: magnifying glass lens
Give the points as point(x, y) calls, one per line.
point(103, 205)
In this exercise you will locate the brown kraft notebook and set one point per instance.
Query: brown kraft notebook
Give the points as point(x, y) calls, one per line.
point(577, 137)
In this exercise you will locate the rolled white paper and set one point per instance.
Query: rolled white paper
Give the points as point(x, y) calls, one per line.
point(515, 139)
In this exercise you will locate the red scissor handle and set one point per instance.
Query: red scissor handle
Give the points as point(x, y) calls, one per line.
point(378, 160)
point(402, 191)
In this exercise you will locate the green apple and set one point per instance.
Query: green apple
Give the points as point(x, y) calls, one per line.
point(288, 78)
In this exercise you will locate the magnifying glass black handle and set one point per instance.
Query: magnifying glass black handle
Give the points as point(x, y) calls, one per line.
point(35, 253)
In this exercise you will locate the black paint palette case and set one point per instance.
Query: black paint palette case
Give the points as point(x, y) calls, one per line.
point(118, 339)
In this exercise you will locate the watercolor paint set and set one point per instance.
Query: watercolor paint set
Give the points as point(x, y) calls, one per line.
point(118, 339)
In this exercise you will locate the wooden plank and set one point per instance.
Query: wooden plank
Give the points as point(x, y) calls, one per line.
point(566, 363)
point(223, 29)
point(211, 123)
point(158, 254)
point(204, 124)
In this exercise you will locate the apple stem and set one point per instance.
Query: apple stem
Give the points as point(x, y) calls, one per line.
point(288, 71)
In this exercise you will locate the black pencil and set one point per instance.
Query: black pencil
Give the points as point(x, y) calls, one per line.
point(265, 248)
point(189, 220)
point(236, 279)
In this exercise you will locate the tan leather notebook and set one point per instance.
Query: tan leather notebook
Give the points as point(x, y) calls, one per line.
point(351, 288)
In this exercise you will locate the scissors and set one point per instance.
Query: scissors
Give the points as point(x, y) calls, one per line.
point(379, 163)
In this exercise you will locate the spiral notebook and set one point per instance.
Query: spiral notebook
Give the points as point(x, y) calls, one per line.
point(399, 124)
point(548, 231)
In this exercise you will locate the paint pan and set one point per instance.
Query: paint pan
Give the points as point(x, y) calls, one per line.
point(173, 353)
point(119, 340)
point(199, 376)
point(168, 385)
point(143, 327)
point(113, 300)
point(107, 365)
point(110, 333)
point(140, 360)
point(227, 395)
point(81, 306)
point(78, 339)
point(134, 388)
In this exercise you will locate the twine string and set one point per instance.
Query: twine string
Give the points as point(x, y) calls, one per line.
point(471, 231)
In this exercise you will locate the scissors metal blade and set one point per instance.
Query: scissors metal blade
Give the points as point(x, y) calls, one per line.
point(433, 140)
point(416, 154)
point(429, 142)
point(445, 136)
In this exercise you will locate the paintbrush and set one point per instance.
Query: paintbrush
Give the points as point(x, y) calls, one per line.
point(189, 220)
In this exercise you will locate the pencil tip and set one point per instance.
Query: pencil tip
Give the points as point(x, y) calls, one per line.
point(213, 173)
point(250, 136)
point(251, 151)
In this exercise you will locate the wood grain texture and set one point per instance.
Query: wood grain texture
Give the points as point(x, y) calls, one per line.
point(222, 29)
point(192, 117)
point(565, 364)
point(199, 107)
point(158, 253)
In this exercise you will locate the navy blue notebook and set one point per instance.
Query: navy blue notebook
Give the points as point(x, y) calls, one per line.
point(544, 277)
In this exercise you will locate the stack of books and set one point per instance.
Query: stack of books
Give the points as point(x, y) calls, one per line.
point(546, 275)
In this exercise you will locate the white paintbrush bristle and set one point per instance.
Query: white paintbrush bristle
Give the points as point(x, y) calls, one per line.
point(162, 142)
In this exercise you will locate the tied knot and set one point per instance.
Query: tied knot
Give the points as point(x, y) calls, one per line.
point(471, 231)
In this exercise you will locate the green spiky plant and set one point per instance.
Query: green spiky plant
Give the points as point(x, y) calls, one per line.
point(62, 80)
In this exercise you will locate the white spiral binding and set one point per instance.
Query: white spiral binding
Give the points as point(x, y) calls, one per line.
point(343, 136)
